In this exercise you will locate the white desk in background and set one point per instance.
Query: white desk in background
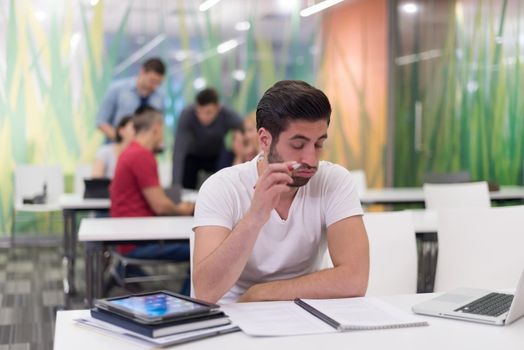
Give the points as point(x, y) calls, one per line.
point(404, 195)
point(71, 205)
point(439, 335)
point(96, 232)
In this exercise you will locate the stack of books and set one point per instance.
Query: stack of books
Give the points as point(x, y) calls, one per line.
point(168, 331)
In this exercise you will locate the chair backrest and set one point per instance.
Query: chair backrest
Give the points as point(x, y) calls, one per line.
point(447, 178)
point(480, 248)
point(191, 248)
point(29, 181)
point(82, 171)
point(451, 196)
point(393, 253)
point(360, 180)
point(165, 174)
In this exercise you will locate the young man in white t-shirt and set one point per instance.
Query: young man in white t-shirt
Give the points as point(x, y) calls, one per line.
point(262, 227)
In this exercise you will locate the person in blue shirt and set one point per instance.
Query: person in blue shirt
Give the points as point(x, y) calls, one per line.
point(125, 96)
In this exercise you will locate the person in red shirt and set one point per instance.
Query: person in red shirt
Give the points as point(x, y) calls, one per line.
point(136, 191)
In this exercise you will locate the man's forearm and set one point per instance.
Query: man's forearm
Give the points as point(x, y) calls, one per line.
point(218, 272)
point(108, 130)
point(336, 282)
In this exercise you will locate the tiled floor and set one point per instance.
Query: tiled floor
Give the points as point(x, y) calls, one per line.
point(31, 293)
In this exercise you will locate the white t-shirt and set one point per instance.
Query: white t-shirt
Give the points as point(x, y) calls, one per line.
point(284, 248)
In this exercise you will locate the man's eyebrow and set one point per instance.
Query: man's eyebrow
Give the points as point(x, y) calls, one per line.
point(304, 138)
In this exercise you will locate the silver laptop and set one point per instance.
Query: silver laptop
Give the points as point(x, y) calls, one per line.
point(477, 305)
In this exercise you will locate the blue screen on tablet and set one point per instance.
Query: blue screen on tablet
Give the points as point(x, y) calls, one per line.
point(157, 305)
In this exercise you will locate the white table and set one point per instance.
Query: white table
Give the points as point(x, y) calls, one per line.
point(96, 232)
point(71, 204)
point(405, 195)
point(439, 335)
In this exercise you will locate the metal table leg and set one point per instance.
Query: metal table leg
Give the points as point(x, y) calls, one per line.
point(94, 253)
point(68, 260)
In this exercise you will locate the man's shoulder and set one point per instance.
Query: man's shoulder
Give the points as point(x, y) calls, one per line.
point(327, 169)
point(135, 154)
point(187, 112)
point(189, 109)
point(122, 84)
point(228, 111)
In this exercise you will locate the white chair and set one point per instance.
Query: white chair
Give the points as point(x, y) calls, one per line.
point(360, 180)
point(480, 248)
point(165, 174)
point(82, 171)
point(392, 251)
point(459, 195)
point(29, 181)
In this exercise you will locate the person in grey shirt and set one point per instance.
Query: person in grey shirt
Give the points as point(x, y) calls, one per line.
point(125, 96)
point(199, 138)
point(107, 154)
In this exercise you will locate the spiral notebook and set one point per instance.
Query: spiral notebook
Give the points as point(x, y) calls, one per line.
point(313, 316)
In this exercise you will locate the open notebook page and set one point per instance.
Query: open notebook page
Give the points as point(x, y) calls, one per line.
point(364, 313)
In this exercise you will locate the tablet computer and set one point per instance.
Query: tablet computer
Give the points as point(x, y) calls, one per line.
point(156, 307)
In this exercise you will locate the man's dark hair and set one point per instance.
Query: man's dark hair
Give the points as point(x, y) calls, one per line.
point(121, 124)
point(206, 97)
point(154, 64)
point(291, 100)
point(145, 117)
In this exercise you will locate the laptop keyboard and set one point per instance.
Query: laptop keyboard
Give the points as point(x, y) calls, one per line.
point(493, 304)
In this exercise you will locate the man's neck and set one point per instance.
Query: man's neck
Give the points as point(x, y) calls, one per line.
point(145, 141)
point(139, 89)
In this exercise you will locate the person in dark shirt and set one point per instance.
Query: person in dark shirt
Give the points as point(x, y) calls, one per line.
point(199, 138)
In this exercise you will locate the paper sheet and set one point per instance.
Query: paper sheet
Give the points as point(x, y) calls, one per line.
point(274, 318)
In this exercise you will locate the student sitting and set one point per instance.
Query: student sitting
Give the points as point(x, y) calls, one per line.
point(107, 155)
point(262, 227)
point(135, 189)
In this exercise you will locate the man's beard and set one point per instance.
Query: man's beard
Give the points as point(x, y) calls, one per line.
point(298, 181)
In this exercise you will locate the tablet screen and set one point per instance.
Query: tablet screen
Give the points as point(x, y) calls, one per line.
point(157, 305)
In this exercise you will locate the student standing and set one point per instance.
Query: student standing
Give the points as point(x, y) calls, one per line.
point(125, 96)
point(199, 138)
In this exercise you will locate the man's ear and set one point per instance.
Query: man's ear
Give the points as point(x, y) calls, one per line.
point(264, 139)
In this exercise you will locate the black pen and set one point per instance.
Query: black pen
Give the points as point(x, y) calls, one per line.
point(318, 314)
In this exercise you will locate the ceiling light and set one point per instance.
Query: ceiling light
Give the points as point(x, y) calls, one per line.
point(40, 16)
point(226, 46)
point(242, 26)
point(409, 7)
point(199, 83)
point(206, 5)
point(318, 7)
point(239, 75)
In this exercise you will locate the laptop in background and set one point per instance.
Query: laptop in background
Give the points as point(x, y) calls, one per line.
point(477, 305)
point(96, 188)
